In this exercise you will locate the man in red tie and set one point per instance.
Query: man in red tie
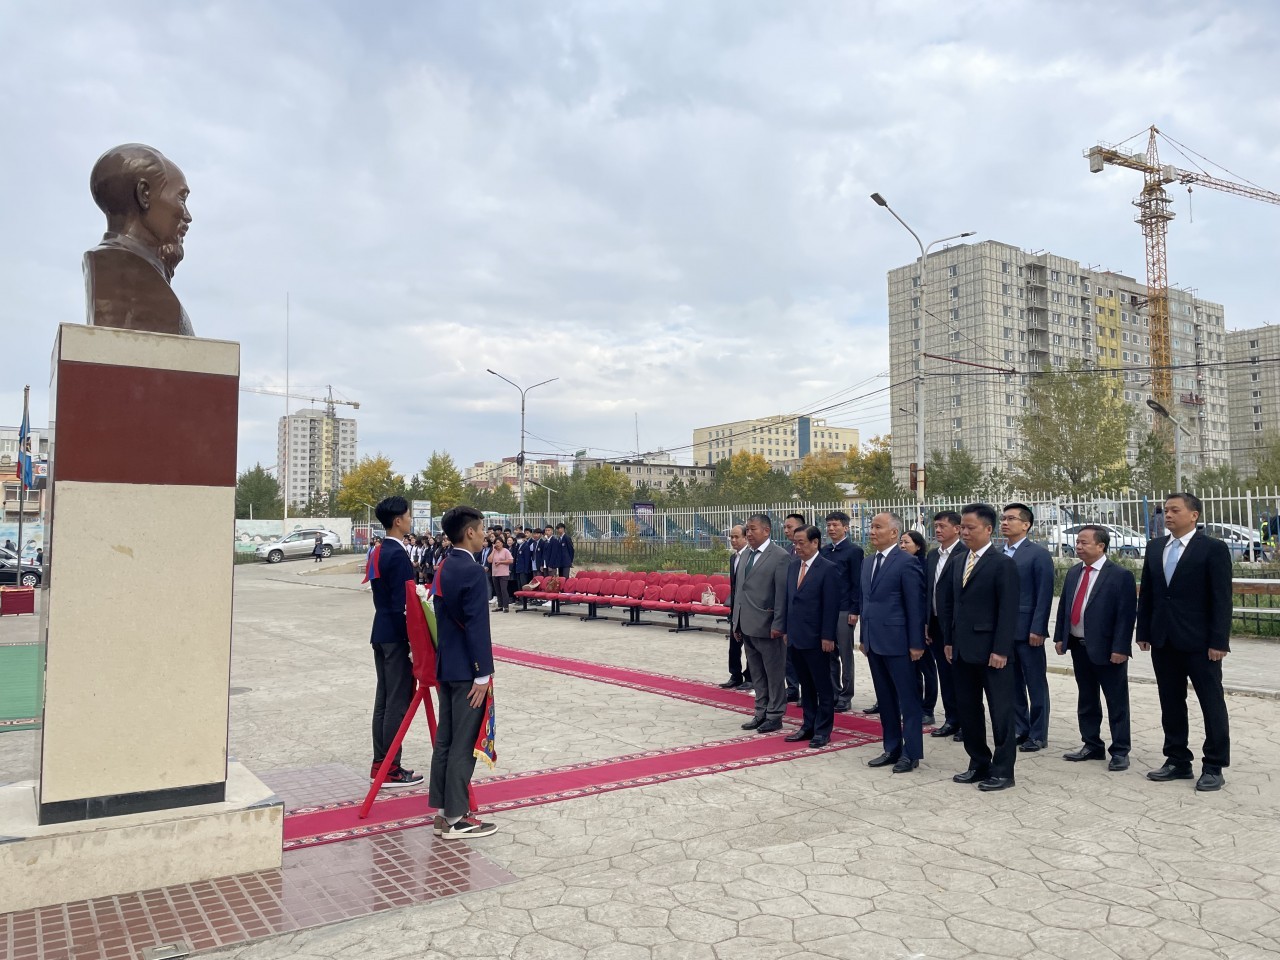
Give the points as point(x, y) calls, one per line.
point(1096, 614)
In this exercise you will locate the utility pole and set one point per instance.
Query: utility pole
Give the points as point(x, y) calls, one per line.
point(524, 391)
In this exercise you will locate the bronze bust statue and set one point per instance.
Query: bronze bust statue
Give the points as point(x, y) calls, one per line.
point(144, 196)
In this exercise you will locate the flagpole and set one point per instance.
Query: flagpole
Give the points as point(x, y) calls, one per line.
point(22, 476)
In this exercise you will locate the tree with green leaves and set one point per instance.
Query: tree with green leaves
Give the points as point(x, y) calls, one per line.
point(1075, 432)
point(442, 483)
point(370, 480)
point(954, 474)
point(1154, 470)
point(1222, 477)
point(870, 470)
point(818, 477)
point(1267, 463)
point(258, 495)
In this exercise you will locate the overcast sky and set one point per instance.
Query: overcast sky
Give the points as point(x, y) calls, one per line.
point(665, 205)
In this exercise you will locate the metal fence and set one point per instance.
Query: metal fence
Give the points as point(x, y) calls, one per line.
point(1245, 519)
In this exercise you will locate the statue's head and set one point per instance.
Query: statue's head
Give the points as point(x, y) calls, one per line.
point(143, 194)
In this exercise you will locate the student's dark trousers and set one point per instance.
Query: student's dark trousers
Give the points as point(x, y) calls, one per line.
point(393, 695)
point(1094, 682)
point(453, 760)
point(972, 680)
point(735, 661)
point(1173, 669)
point(927, 675)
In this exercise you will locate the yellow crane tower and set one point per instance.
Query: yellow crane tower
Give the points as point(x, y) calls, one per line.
point(1153, 216)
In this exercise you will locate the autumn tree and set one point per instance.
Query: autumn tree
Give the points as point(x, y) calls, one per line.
point(442, 483)
point(258, 495)
point(818, 477)
point(870, 470)
point(370, 480)
point(748, 478)
point(1075, 432)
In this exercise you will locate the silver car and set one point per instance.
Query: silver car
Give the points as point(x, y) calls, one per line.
point(300, 543)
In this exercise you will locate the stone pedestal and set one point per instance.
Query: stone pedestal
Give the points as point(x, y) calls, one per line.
point(137, 611)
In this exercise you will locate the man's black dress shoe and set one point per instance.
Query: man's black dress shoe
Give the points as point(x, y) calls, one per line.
point(798, 736)
point(769, 726)
point(874, 708)
point(1116, 764)
point(1031, 746)
point(970, 776)
point(992, 784)
point(928, 720)
point(1209, 782)
point(959, 737)
point(946, 730)
point(842, 706)
point(904, 765)
point(884, 760)
point(745, 685)
point(753, 723)
point(1084, 753)
point(818, 742)
point(793, 697)
point(1170, 771)
point(731, 685)
point(1021, 739)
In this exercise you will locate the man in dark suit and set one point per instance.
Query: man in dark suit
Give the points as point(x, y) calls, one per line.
point(566, 550)
point(1096, 614)
point(759, 619)
point(1184, 618)
point(893, 639)
point(552, 551)
point(387, 569)
point(978, 610)
point(738, 548)
point(464, 670)
point(946, 530)
point(1035, 597)
point(813, 608)
point(791, 524)
point(847, 556)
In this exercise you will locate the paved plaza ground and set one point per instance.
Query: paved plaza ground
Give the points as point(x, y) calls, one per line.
point(814, 857)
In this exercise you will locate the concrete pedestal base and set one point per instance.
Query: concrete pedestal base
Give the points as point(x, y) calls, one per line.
point(42, 865)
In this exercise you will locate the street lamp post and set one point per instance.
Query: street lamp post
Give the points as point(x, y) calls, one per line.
point(520, 459)
point(368, 525)
point(549, 493)
point(924, 312)
point(1178, 430)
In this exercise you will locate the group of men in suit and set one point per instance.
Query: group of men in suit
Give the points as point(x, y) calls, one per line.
point(541, 551)
point(981, 613)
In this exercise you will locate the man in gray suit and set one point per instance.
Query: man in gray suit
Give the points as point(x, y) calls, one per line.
point(759, 619)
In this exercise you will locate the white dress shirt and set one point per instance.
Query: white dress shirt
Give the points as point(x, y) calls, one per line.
point(1077, 631)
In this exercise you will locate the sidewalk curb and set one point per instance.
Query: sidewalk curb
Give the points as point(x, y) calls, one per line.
point(1238, 691)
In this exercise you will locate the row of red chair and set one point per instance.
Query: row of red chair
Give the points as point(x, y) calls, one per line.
point(677, 595)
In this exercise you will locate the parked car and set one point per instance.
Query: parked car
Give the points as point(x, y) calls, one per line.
point(10, 575)
point(297, 544)
point(1240, 540)
point(1125, 541)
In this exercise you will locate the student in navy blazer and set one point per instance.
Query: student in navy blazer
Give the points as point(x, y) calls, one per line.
point(464, 669)
point(1096, 616)
point(846, 555)
point(892, 638)
point(552, 551)
point(389, 567)
point(566, 550)
point(1035, 597)
point(813, 613)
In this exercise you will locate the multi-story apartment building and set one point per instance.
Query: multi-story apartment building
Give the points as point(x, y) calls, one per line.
point(655, 470)
point(488, 474)
point(1253, 379)
point(782, 440)
point(13, 500)
point(997, 307)
point(313, 451)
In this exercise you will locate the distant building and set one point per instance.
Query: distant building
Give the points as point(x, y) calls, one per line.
point(657, 470)
point(12, 501)
point(782, 440)
point(489, 474)
point(1253, 382)
point(994, 305)
point(313, 451)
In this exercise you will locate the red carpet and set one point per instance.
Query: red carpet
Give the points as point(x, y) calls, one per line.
point(694, 691)
point(331, 823)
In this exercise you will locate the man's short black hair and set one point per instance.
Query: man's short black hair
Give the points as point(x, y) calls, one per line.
point(387, 510)
point(797, 516)
point(1189, 500)
point(548, 527)
point(457, 519)
point(1023, 511)
point(762, 519)
point(810, 533)
point(839, 515)
point(1101, 534)
point(560, 526)
point(950, 516)
point(983, 511)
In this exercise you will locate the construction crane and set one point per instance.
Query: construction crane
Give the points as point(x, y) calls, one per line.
point(1153, 216)
point(331, 416)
